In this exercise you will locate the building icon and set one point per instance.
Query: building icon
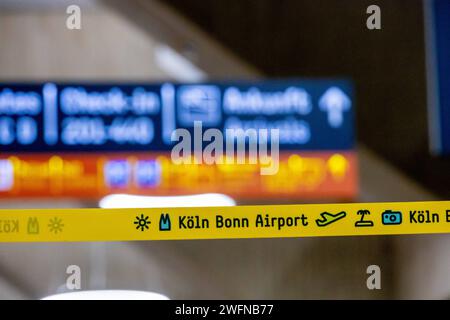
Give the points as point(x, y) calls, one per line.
point(164, 222)
point(33, 226)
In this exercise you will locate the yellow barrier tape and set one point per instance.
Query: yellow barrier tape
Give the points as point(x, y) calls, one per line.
point(276, 221)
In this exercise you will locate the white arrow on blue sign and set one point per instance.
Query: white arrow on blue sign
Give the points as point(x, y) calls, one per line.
point(335, 102)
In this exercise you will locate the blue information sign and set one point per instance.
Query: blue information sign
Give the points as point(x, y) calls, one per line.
point(437, 14)
point(59, 117)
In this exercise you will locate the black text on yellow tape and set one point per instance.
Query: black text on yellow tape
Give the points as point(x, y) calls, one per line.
point(276, 221)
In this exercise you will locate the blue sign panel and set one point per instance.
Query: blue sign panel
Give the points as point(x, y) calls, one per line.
point(57, 117)
point(438, 56)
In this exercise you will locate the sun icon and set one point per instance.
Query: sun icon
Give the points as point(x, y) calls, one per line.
point(55, 225)
point(142, 222)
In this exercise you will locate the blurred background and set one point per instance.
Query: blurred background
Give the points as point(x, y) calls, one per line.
point(400, 138)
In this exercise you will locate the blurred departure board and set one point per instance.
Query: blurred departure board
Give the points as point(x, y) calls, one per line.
point(92, 139)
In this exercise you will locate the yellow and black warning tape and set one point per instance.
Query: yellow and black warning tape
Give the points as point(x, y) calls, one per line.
point(274, 221)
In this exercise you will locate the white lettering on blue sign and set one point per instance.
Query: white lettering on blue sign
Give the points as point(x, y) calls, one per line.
point(7, 132)
point(145, 102)
point(335, 102)
point(83, 131)
point(94, 131)
point(254, 101)
point(291, 130)
point(19, 103)
point(76, 101)
point(26, 130)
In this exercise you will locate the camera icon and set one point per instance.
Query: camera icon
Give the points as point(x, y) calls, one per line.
point(390, 217)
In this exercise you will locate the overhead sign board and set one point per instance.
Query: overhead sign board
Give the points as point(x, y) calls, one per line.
point(120, 136)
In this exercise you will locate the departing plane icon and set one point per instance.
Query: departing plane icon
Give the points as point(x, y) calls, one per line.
point(329, 218)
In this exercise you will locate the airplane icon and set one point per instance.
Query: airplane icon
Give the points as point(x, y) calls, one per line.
point(329, 218)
